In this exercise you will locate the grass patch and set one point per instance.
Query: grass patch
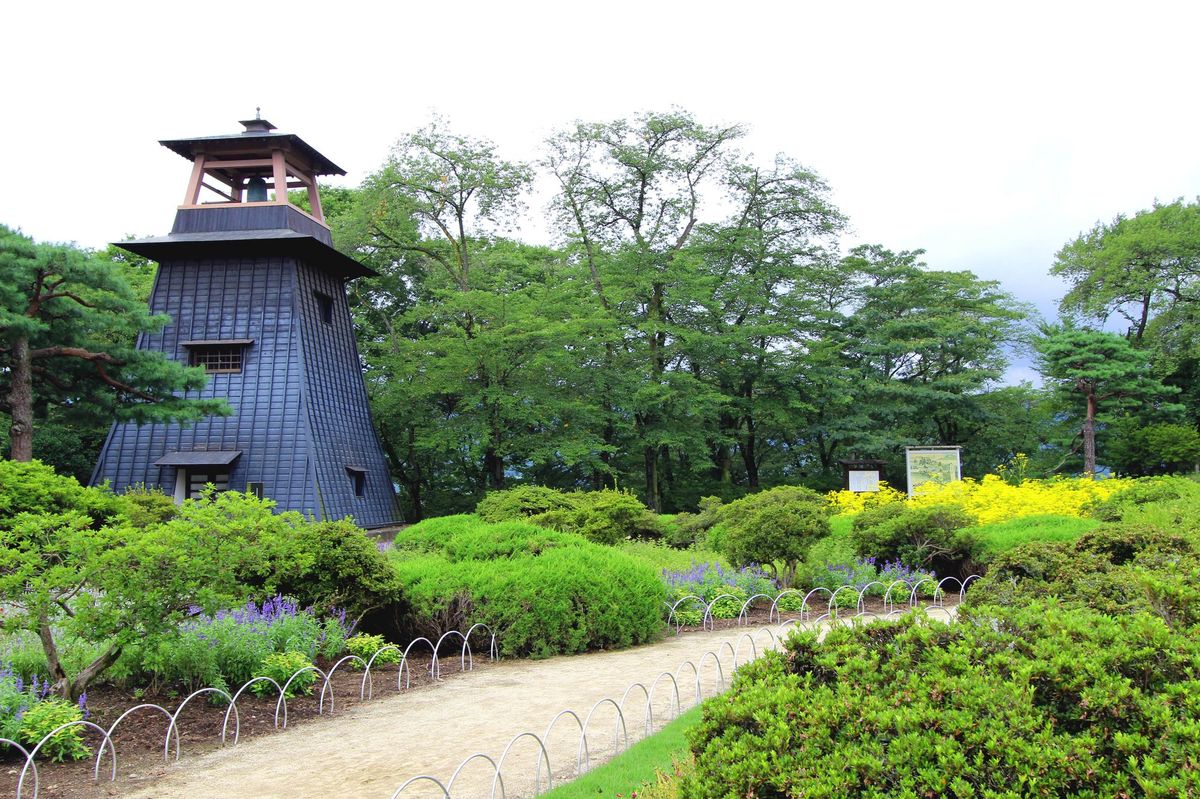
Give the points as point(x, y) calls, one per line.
point(999, 537)
point(661, 556)
point(839, 526)
point(636, 768)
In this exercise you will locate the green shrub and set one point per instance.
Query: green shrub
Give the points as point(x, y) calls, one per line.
point(923, 537)
point(1165, 448)
point(1172, 491)
point(521, 503)
point(280, 667)
point(690, 529)
point(1106, 570)
point(661, 555)
point(365, 646)
point(606, 517)
point(331, 565)
point(32, 487)
point(145, 506)
point(773, 528)
point(1038, 700)
point(42, 717)
point(465, 538)
point(543, 592)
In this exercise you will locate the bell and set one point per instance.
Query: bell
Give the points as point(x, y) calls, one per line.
point(256, 190)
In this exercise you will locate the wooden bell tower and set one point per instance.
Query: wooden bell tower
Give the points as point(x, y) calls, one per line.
point(256, 295)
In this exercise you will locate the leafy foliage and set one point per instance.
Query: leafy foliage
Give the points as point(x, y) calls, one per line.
point(774, 526)
point(68, 329)
point(282, 667)
point(521, 503)
point(1006, 702)
point(1101, 369)
point(921, 537)
point(81, 569)
point(371, 646)
point(1140, 449)
point(1175, 491)
point(606, 516)
point(542, 591)
point(41, 718)
point(229, 647)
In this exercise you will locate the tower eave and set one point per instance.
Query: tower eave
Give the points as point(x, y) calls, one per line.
point(188, 246)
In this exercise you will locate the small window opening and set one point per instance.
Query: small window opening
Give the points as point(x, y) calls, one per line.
point(256, 489)
point(197, 479)
point(358, 480)
point(226, 359)
point(324, 307)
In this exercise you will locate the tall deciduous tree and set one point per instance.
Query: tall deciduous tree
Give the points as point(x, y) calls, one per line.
point(1135, 267)
point(436, 200)
point(1145, 270)
point(630, 195)
point(68, 328)
point(762, 305)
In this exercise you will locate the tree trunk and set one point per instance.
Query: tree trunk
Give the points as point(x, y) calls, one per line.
point(722, 464)
point(750, 456)
point(62, 685)
point(92, 671)
point(493, 464)
point(411, 478)
point(668, 469)
point(650, 455)
point(1089, 438)
point(20, 401)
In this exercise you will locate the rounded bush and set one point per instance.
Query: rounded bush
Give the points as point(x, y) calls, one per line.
point(1065, 702)
point(917, 537)
point(1143, 491)
point(281, 667)
point(543, 592)
point(605, 517)
point(42, 717)
point(778, 525)
point(521, 503)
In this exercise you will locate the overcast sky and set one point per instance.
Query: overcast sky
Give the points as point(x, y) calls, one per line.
point(986, 134)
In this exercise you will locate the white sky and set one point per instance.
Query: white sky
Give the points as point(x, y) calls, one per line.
point(987, 134)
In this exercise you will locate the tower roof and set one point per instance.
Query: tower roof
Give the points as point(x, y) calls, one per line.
point(257, 138)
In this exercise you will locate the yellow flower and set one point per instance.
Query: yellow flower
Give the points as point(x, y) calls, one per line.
point(992, 499)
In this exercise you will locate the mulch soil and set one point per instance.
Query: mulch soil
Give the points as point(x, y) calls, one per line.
point(140, 737)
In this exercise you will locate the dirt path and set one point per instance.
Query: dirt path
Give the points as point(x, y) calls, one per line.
point(373, 748)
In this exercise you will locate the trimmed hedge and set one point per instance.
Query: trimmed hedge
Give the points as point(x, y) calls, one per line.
point(543, 592)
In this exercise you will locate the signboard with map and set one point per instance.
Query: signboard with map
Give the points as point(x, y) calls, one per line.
point(932, 465)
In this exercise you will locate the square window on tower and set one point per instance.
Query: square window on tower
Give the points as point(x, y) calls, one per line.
point(216, 356)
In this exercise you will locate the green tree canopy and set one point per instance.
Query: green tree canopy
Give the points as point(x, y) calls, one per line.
point(68, 329)
point(1103, 370)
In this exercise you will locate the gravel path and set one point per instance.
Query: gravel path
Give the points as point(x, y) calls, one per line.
point(373, 748)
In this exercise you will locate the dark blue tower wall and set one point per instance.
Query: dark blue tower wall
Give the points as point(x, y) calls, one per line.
point(237, 298)
point(339, 417)
point(300, 417)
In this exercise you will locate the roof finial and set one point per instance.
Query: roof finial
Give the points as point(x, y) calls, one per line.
point(258, 124)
